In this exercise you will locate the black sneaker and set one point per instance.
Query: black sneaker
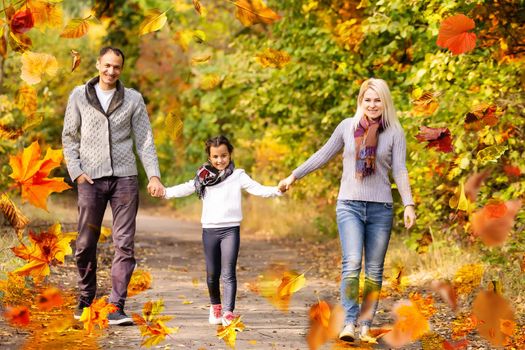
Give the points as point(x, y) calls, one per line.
point(119, 318)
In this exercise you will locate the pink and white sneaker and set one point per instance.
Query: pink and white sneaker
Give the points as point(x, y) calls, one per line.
point(215, 314)
point(227, 318)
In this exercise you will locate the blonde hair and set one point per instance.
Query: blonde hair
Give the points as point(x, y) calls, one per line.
point(381, 89)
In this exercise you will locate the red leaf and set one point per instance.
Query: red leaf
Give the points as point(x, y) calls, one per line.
point(454, 35)
point(22, 21)
point(438, 138)
point(512, 170)
point(17, 316)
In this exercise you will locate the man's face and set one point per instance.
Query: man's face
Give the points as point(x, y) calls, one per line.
point(109, 68)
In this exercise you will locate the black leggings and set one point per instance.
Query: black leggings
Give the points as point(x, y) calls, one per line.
point(221, 248)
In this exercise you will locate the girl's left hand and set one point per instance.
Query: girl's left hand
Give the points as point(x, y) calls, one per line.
point(410, 216)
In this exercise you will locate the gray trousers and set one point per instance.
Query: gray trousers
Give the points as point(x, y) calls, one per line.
point(123, 196)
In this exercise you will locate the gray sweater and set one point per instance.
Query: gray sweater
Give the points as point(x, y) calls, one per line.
point(100, 143)
point(391, 154)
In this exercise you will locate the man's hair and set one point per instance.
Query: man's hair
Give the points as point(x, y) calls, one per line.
point(115, 50)
point(216, 142)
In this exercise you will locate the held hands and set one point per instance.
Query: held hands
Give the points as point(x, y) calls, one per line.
point(410, 216)
point(284, 185)
point(155, 187)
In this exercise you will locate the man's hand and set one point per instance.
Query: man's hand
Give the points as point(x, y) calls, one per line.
point(410, 216)
point(284, 185)
point(83, 178)
point(155, 187)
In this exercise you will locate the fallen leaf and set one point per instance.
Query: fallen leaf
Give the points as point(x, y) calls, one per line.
point(425, 305)
point(229, 333)
point(438, 138)
point(153, 22)
point(49, 299)
point(76, 28)
point(97, 314)
point(454, 34)
point(19, 42)
point(174, 125)
point(491, 309)
point(76, 59)
point(460, 201)
point(17, 316)
point(424, 242)
point(34, 65)
point(250, 12)
point(493, 223)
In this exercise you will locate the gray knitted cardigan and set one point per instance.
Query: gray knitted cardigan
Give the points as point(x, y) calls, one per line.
point(101, 144)
point(391, 154)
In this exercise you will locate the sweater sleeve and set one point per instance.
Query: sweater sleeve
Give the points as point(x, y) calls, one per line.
point(253, 187)
point(182, 190)
point(71, 136)
point(324, 154)
point(144, 139)
point(399, 170)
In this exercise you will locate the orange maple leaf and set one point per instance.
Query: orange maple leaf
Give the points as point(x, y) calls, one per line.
point(494, 221)
point(454, 34)
point(493, 311)
point(31, 174)
point(140, 281)
point(46, 247)
point(152, 326)
point(49, 299)
point(17, 316)
point(97, 314)
point(251, 12)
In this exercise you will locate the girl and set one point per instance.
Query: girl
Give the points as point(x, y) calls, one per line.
point(218, 184)
point(373, 143)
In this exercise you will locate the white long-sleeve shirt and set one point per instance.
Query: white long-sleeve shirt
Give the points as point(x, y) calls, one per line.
point(221, 205)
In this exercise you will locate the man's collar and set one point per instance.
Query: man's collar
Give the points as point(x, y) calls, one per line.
point(116, 101)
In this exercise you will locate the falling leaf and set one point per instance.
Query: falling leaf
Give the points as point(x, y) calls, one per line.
point(45, 248)
point(438, 138)
point(493, 223)
point(410, 325)
point(273, 58)
point(9, 133)
point(105, 233)
point(512, 170)
point(22, 21)
point(460, 201)
point(201, 59)
point(35, 64)
point(186, 36)
point(491, 309)
point(425, 104)
point(31, 174)
point(482, 115)
point(45, 14)
point(17, 316)
point(19, 42)
point(152, 326)
point(174, 125)
point(140, 281)
point(398, 280)
point(49, 299)
point(490, 154)
point(447, 291)
point(16, 219)
point(467, 278)
point(97, 314)
point(473, 184)
point(250, 12)
point(27, 100)
point(201, 10)
point(424, 242)
point(76, 28)
point(325, 323)
point(454, 34)
point(229, 333)
point(76, 59)
point(210, 81)
point(154, 21)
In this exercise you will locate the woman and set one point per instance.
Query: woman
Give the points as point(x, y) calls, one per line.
point(373, 143)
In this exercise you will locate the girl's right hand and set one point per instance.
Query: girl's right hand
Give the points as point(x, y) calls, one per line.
point(284, 185)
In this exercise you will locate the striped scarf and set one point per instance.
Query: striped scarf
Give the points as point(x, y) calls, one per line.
point(208, 175)
point(366, 136)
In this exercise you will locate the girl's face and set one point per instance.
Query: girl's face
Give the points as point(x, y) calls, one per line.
point(219, 157)
point(372, 104)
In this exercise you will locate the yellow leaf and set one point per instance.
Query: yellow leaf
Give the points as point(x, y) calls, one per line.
point(97, 314)
point(76, 59)
point(273, 58)
point(201, 10)
point(45, 14)
point(31, 174)
point(460, 201)
point(187, 302)
point(201, 59)
point(184, 37)
point(250, 12)
point(229, 333)
point(16, 219)
point(76, 28)
point(174, 125)
point(467, 278)
point(152, 327)
point(140, 281)
point(210, 81)
point(35, 64)
point(27, 100)
point(195, 282)
point(425, 104)
point(154, 21)
point(490, 154)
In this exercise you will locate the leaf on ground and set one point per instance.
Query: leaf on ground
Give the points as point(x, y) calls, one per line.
point(140, 281)
point(493, 223)
point(457, 345)
point(467, 278)
point(17, 316)
point(491, 309)
point(97, 314)
point(31, 174)
point(229, 333)
point(438, 138)
point(325, 323)
point(34, 65)
point(425, 305)
point(454, 34)
point(250, 12)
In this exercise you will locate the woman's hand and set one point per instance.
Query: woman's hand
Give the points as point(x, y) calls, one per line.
point(284, 185)
point(410, 216)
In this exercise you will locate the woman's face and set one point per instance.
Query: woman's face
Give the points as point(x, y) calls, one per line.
point(219, 157)
point(372, 104)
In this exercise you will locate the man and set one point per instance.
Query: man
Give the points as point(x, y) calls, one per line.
point(101, 121)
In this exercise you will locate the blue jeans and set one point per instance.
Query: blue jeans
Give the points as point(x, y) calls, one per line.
point(362, 226)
